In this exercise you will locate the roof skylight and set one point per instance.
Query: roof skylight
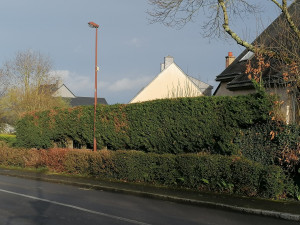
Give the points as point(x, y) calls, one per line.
point(248, 56)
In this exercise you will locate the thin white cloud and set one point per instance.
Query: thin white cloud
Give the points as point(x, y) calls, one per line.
point(136, 42)
point(126, 84)
point(78, 84)
point(84, 86)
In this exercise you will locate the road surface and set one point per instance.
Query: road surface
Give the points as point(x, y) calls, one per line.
point(32, 202)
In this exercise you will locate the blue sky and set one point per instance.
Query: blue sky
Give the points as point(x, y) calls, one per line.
point(130, 49)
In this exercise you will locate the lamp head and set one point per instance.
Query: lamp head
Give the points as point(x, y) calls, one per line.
point(93, 25)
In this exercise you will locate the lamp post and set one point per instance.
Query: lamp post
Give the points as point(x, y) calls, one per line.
point(94, 25)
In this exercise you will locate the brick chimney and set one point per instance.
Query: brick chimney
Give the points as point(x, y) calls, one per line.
point(229, 59)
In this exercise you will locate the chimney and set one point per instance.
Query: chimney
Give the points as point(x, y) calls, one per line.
point(168, 61)
point(229, 59)
point(162, 67)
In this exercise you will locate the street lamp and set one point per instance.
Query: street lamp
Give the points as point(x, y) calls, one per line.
point(94, 25)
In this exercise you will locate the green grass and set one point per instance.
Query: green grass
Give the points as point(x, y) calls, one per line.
point(27, 169)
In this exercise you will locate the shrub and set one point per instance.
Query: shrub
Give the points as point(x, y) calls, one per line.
point(85, 162)
point(101, 164)
point(197, 171)
point(54, 158)
point(78, 162)
point(229, 174)
point(246, 175)
point(9, 139)
point(274, 183)
point(272, 143)
point(183, 125)
point(12, 157)
point(131, 165)
point(165, 170)
point(34, 158)
point(203, 171)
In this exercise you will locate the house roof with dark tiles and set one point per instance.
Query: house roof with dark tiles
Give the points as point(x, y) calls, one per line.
point(235, 74)
point(78, 101)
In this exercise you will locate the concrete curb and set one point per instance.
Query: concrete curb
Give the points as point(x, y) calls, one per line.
point(274, 214)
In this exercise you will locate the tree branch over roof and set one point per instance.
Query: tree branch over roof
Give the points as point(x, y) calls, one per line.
point(231, 32)
point(217, 15)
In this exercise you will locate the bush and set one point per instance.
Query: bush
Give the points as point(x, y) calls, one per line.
point(272, 143)
point(12, 157)
point(229, 174)
point(9, 139)
point(131, 165)
point(202, 171)
point(246, 175)
point(183, 125)
point(275, 184)
point(54, 158)
point(85, 162)
point(78, 162)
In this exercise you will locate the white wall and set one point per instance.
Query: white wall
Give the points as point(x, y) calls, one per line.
point(63, 92)
point(170, 83)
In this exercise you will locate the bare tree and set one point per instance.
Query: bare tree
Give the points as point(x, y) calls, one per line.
point(28, 85)
point(219, 15)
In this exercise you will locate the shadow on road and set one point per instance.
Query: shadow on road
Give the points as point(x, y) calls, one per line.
point(36, 213)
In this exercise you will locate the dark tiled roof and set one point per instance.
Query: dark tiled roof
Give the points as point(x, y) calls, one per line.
point(78, 101)
point(235, 74)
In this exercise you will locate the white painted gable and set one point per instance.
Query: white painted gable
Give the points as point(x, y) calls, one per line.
point(172, 82)
point(64, 92)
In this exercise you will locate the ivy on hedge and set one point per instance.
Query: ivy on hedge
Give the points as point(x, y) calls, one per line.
point(183, 125)
point(257, 145)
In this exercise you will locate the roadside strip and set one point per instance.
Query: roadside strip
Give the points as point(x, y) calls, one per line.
point(150, 194)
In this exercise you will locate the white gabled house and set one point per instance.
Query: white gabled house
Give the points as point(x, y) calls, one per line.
point(58, 89)
point(172, 82)
point(61, 90)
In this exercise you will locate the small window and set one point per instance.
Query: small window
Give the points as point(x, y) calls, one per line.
point(248, 56)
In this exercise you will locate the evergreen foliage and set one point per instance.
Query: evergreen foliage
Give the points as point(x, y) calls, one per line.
point(8, 139)
point(182, 125)
point(257, 143)
point(201, 171)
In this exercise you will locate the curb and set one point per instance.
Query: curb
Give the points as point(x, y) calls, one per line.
point(261, 212)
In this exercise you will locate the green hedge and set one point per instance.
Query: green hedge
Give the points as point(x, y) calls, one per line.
point(13, 157)
point(227, 174)
point(258, 145)
point(8, 139)
point(217, 173)
point(183, 125)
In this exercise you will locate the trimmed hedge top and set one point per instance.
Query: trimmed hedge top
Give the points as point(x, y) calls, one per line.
point(182, 125)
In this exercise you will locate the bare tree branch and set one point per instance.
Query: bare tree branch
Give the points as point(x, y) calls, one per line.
point(28, 85)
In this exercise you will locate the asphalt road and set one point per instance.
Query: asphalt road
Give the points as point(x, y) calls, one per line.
point(34, 202)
